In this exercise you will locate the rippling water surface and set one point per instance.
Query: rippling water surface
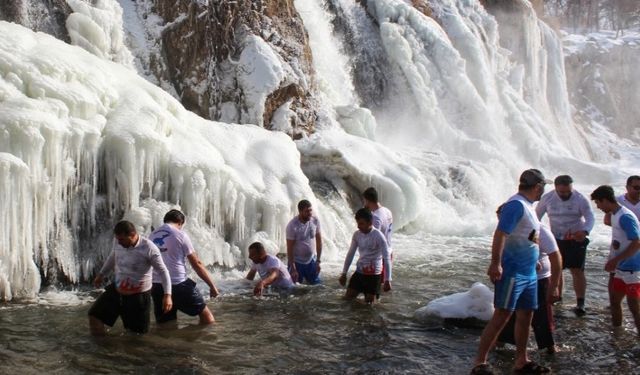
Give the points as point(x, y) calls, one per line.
point(314, 331)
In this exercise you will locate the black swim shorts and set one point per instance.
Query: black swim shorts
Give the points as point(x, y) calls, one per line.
point(573, 253)
point(133, 309)
point(186, 298)
point(367, 284)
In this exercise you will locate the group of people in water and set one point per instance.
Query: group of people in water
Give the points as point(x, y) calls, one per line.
point(154, 270)
point(527, 259)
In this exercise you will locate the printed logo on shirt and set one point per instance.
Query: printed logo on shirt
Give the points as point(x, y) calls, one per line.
point(615, 244)
point(159, 239)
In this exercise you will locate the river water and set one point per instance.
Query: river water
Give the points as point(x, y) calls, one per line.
point(314, 331)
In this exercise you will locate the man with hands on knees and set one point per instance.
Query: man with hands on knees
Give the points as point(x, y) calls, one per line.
point(133, 258)
point(271, 270)
point(374, 252)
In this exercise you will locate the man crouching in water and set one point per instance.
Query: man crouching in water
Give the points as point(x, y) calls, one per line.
point(374, 252)
point(271, 270)
point(133, 258)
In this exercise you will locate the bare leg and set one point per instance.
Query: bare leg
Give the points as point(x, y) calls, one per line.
point(634, 307)
point(521, 333)
point(96, 327)
point(616, 307)
point(560, 284)
point(351, 294)
point(490, 334)
point(369, 298)
point(206, 316)
point(579, 282)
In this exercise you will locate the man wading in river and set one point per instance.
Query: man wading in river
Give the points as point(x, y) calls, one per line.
point(133, 258)
point(514, 255)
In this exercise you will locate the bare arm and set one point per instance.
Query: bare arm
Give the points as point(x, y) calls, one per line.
point(291, 261)
point(273, 275)
point(319, 245)
point(495, 268)
point(202, 272)
point(108, 265)
point(628, 252)
point(555, 259)
point(251, 275)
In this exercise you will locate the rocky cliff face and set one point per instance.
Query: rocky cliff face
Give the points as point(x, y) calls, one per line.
point(603, 78)
point(240, 61)
point(39, 15)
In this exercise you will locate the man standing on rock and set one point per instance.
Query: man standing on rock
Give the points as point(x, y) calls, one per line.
point(514, 255)
point(571, 219)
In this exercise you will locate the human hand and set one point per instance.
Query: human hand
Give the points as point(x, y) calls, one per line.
point(579, 236)
point(213, 292)
point(611, 266)
point(294, 274)
point(257, 291)
point(343, 279)
point(97, 282)
point(167, 303)
point(318, 267)
point(387, 286)
point(494, 272)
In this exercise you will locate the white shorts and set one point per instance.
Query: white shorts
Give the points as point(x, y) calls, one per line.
point(628, 277)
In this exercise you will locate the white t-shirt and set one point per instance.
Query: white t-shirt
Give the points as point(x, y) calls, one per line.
point(568, 216)
point(373, 251)
point(383, 221)
point(635, 208)
point(133, 266)
point(271, 263)
point(304, 237)
point(174, 246)
point(548, 245)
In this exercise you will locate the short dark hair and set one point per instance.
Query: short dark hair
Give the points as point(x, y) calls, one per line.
point(124, 228)
point(604, 192)
point(365, 214)
point(174, 216)
point(631, 179)
point(371, 194)
point(303, 204)
point(563, 180)
point(257, 246)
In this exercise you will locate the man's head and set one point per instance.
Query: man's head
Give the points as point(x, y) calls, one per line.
point(304, 210)
point(126, 233)
point(633, 187)
point(532, 184)
point(364, 219)
point(564, 186)
point(257, 253)
point(370, 197)
point(605, 198)
point(174, 217)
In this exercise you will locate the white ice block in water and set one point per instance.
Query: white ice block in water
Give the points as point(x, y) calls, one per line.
point(477, 303)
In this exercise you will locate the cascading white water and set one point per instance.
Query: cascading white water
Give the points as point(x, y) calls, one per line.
point(439, 112)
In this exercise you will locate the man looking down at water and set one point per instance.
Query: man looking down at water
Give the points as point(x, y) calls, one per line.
point(514, 255)
point(129, 296)
point(304, 245)
point(175, 247)
point(271, 270)
point(624, 255)
point(382, 218)
point(372, 246)
point(571, 219)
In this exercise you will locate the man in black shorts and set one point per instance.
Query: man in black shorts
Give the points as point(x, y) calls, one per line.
point(133, 257)
point(374, 252)
point(176, 248)
point(570, 219)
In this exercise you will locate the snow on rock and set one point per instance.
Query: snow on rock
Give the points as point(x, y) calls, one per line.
point(85, 142)
point(477, 303)
point(97, 26)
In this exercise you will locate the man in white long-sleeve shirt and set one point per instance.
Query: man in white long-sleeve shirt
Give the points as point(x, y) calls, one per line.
point(571, 219)
point(132, 259)
point(374, 253)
